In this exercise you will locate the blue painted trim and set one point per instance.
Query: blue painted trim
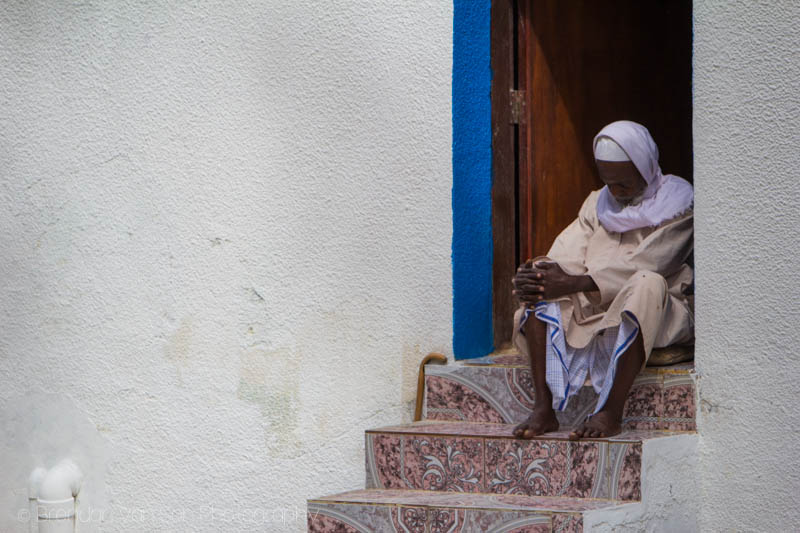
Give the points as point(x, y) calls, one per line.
point(472, 180)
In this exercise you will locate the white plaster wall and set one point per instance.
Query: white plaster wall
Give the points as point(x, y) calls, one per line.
point(670, 497)
point(226, 234)
point(747, 224)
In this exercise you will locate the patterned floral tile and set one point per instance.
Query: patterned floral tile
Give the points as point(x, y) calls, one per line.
point(384, 467)
point(321, 523)
point(583, 458)
point(504, 394)
point(448, 464)
point(629, 483)
point(644, 406)
point(325, 517)
point(519, 383)
point(534, 468)
point(567, 523)
point(542, 467)
point(339, 518)
point(449, 400)
point(679, 406)
point(410, 519)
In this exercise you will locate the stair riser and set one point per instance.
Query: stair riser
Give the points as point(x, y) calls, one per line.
point(504, 395)
point(353, 518)
point(585, 469)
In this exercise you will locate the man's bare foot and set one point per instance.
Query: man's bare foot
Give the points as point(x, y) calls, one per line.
point(541, 421)
point(602, 424)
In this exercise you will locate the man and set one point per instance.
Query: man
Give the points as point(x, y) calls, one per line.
point(611, 287)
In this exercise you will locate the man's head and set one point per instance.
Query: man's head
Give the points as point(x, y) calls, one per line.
point(623, 179)
point(618, 172)
point(637, 194)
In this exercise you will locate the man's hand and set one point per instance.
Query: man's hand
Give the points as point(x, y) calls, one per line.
point(545, 281)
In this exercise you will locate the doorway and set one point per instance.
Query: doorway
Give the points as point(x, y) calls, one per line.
point(561, 71)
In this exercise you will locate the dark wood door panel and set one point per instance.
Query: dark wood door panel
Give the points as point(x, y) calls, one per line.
point(584, 64)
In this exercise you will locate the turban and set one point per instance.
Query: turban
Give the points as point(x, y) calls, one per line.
point(665, 197)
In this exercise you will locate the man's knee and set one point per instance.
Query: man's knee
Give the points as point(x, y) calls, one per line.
point(651, 282)
point(535, 328)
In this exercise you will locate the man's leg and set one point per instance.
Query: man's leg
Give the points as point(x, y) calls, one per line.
point(543, 418)
point(608, 421)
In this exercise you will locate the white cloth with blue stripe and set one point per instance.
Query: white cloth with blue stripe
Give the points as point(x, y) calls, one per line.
point(568, 367)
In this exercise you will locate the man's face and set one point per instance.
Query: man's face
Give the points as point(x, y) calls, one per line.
point(623, 179)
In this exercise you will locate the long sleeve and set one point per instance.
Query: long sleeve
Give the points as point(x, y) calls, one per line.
point(569, 248)
point(663, 251)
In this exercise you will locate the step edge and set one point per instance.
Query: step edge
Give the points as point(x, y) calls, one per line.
point(647, 370)
point(545, 437)
point(612, 504)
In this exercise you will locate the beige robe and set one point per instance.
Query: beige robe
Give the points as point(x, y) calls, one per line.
point(643, 271)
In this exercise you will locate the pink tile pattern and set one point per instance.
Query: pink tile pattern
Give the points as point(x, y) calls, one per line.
point(629, 479)
point(567, 523)
point(661, 398)
point(583, 469)
point(436, 463)
point(328, 524)
point(424, 462)
point(549, 465)
point(461, 469)
point(520, 382)
point(330, 517)
point(450, 400)
point(446, 520)
point(534, 468)
point(679, 403)
point(410, 519)
point(644, 406)
point(324, 517)
point(384, 461)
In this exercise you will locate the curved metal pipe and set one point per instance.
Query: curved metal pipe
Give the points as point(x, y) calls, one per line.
point(433, 357)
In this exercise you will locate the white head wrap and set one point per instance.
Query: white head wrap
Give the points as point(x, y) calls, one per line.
point(665, 196)
point(605, 149)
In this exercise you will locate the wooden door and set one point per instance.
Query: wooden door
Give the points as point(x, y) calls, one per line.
point(573, 66)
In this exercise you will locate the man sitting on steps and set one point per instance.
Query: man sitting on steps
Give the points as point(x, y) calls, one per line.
point(610, 289)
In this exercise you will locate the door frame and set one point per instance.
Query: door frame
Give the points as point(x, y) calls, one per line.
point(506, 132)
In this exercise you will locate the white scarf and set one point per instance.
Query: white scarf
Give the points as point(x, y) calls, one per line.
point(665, 197)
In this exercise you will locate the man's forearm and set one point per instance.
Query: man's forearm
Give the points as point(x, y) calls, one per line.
point(585, 284)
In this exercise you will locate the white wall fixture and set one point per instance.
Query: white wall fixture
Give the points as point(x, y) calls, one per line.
point(34, 482)
point(56, 491)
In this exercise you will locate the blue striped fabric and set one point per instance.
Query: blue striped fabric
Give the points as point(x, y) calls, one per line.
point(568, 367)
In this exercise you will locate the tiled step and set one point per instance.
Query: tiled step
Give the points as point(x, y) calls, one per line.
point(484, 457)
point(384, 510)
point(499, 389)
